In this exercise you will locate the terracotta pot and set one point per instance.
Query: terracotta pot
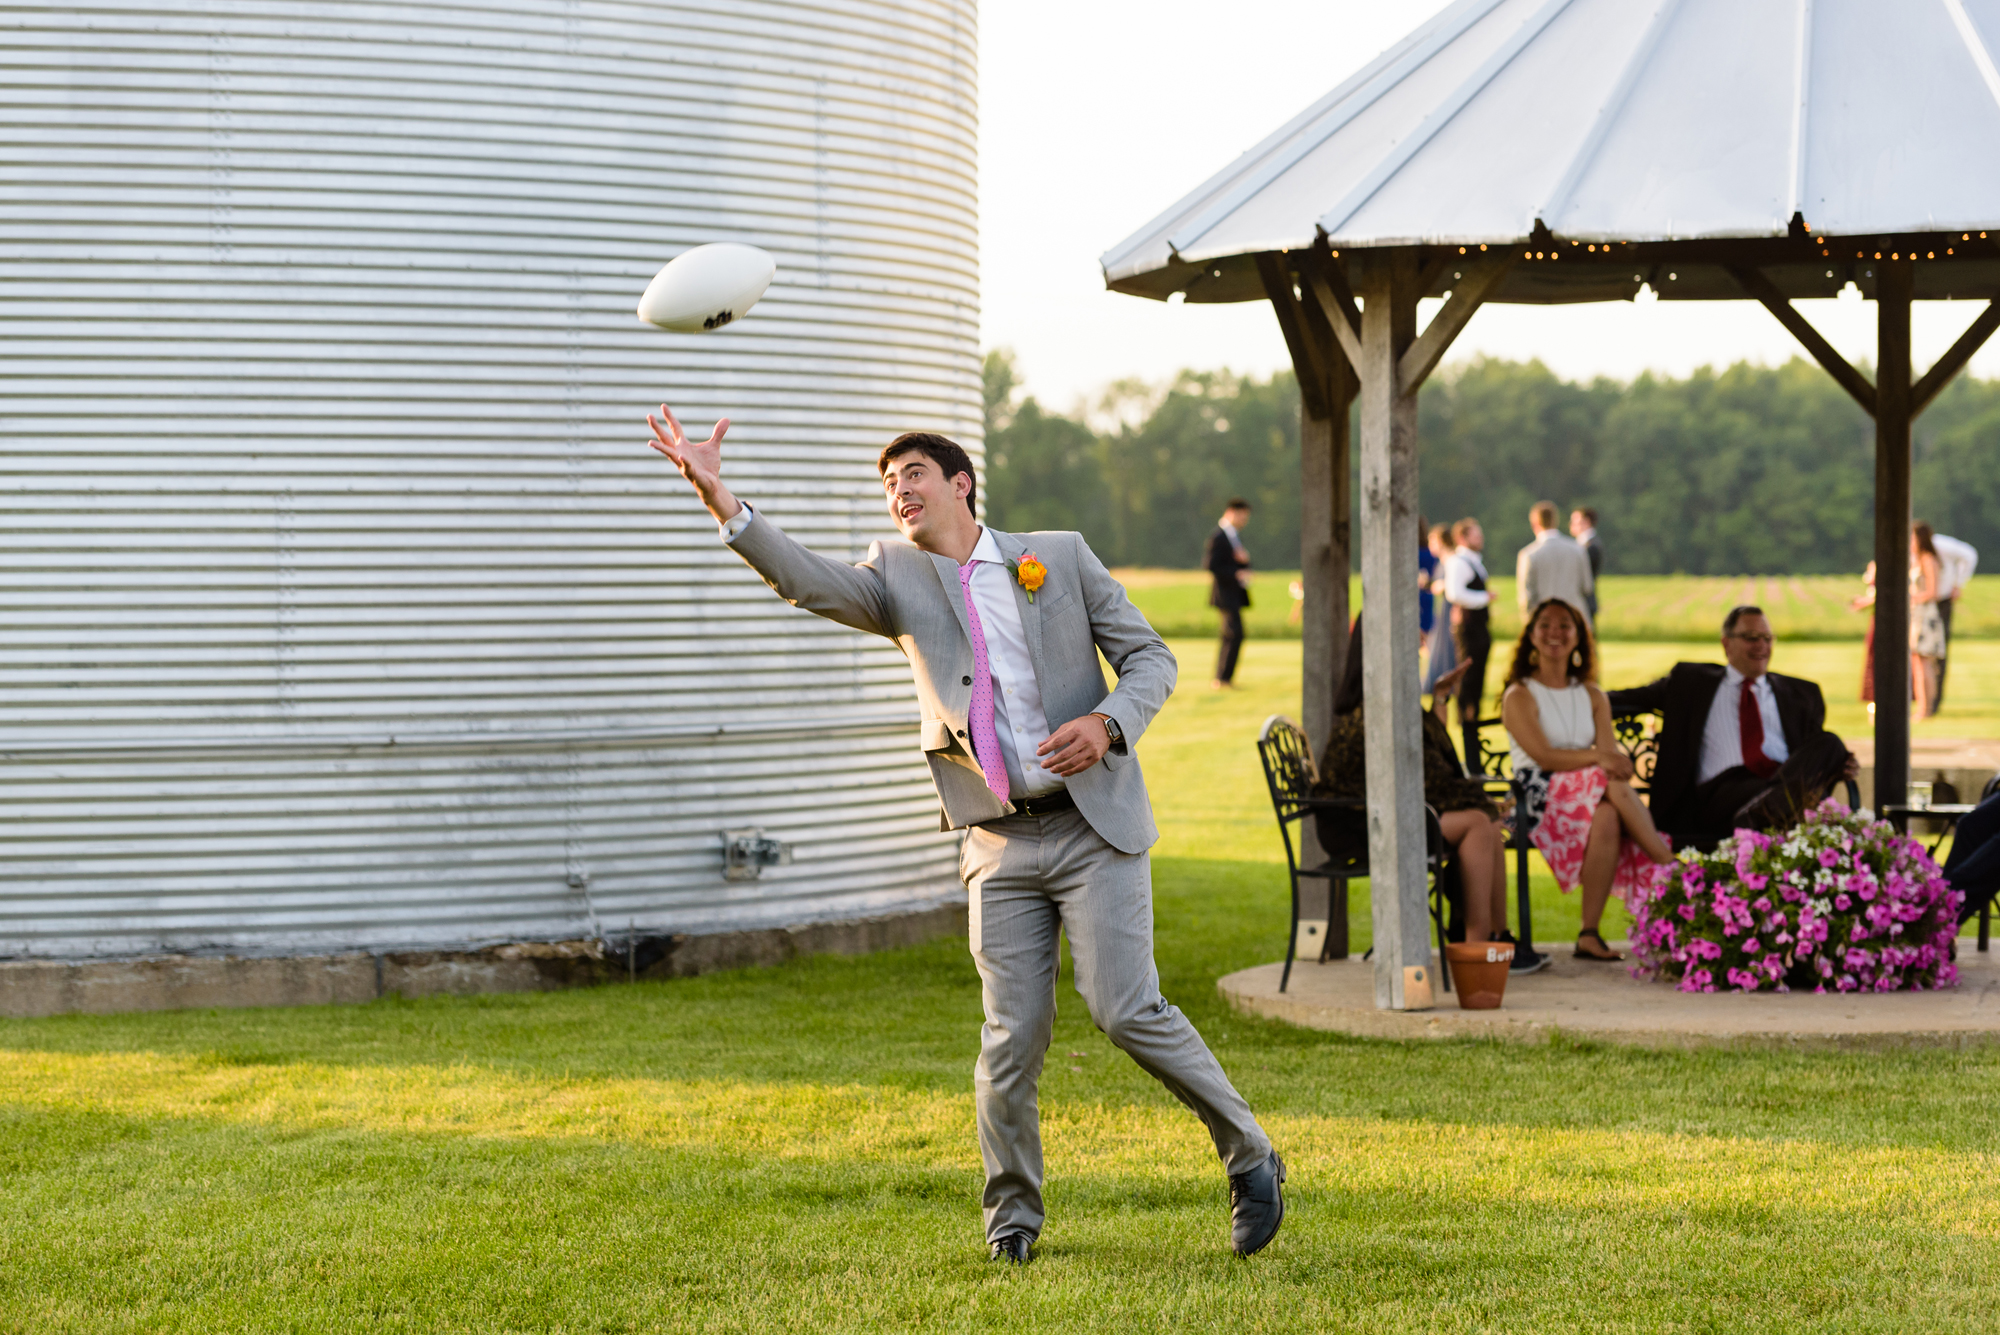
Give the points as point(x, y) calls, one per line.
point(1479, 973)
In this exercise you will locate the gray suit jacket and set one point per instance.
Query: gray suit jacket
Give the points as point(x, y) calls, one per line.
point(1557, 568)
point(915, 599)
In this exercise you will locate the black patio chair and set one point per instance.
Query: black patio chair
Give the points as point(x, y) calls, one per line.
point(1342, 827)
point(1901, 816)
point(1986, 909)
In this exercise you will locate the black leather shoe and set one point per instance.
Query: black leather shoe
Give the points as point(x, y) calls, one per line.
point(1012, 1248)
point(1256, 1205)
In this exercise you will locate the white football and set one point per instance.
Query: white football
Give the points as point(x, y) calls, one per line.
point(704, 289)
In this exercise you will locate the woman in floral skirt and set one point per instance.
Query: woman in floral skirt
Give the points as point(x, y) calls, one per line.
point(1575, 782)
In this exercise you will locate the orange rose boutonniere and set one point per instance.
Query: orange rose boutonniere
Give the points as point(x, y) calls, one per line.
point(1031, 572)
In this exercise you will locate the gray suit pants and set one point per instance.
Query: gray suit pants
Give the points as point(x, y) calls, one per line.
point(1030, 878)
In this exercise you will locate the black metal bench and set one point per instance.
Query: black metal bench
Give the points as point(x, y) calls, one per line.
point(1638, 737)
point(1341, 825)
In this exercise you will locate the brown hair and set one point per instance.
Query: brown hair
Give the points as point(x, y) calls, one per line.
point(1441, 534)
point(1543, 513)
point(1460, 529)
point(1923, 533)
point(947, 454)
point(1582, 660)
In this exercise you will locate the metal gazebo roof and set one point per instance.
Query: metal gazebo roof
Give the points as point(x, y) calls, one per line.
point(1622, 121)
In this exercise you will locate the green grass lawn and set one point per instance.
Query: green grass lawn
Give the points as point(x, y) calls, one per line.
point(792, 1149)
point(1631, 607)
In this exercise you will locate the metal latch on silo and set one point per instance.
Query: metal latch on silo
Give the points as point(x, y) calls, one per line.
point(745, 854)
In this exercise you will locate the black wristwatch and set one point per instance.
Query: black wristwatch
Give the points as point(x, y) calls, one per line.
point(1112, 730)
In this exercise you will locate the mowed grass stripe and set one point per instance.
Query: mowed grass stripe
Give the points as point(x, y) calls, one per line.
point(1958, 1192)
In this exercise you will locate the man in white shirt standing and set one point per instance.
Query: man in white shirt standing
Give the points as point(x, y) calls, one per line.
point(1552, 566)
point(1956, 562)
point(1740, 745)
point(1465, 590)
point(1032, 757)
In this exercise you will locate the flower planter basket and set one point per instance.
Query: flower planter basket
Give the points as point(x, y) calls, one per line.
point(1841, 903)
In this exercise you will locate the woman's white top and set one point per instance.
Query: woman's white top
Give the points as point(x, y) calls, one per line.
point(1567, 720)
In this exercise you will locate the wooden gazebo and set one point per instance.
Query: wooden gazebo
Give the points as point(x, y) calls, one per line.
point(1550, 151)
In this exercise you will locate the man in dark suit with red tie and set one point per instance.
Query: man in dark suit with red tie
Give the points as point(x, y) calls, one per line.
point(1741, 745)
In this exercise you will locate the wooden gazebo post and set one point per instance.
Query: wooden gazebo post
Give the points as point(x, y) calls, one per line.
point(1892, 530)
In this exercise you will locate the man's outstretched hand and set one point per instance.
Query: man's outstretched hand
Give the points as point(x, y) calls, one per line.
point(700, 464)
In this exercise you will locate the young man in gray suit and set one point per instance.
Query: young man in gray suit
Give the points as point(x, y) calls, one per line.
point(1032, 757)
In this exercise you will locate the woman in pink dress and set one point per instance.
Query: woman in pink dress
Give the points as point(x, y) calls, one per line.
point(1573, 780)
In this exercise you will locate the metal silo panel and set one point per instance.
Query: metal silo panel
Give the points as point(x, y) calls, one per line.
point(344, 605)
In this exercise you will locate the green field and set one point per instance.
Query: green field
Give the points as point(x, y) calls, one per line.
point(1630, 607)
point(792, 1149)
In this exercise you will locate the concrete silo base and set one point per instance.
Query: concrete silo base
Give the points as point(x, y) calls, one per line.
point(185, 982)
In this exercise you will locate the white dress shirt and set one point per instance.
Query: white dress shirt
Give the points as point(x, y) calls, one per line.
point(1018, 718)
point(1956, 562)
point(1460, 568)
point(1722, 739)
point(1236, 545)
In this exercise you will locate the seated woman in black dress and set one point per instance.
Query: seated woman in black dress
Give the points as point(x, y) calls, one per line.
point(1467, 815)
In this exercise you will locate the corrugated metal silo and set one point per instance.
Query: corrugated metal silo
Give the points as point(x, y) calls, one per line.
point(344, 606)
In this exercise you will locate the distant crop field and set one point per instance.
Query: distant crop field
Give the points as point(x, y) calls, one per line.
point(1631, 607)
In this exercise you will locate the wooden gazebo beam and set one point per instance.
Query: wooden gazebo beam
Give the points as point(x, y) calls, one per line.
point(1337, 347)
point(1894, 402)
point(1326, 389)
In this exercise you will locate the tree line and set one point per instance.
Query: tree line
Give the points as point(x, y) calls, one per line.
point(1747, 470)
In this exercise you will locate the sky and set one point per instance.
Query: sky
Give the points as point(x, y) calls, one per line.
point(1096, 115)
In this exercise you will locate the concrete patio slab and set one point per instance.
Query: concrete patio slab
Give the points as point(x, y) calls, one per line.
point(1605, 1002)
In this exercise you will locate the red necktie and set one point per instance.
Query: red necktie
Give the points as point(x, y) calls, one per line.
point(1750, 719)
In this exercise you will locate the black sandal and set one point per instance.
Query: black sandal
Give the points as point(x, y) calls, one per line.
point(1609, 956)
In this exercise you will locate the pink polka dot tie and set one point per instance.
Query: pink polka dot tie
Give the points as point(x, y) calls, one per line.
point(985, 741)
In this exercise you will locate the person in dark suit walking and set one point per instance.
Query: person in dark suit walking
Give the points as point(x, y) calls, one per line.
point(1228, 565)
point(1741, 746)
point(1583, 527)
